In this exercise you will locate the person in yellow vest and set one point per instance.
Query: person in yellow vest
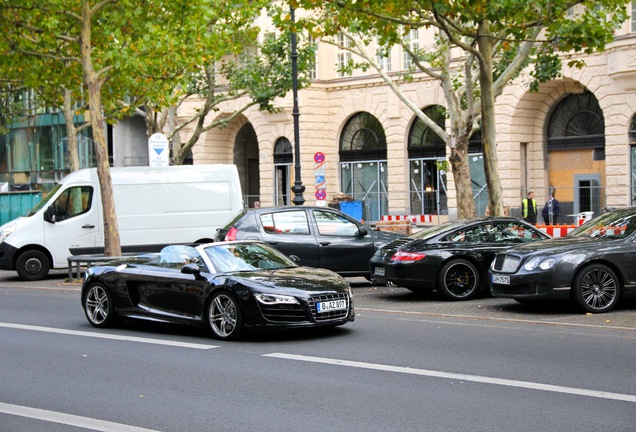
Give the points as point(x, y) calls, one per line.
point(529, 209)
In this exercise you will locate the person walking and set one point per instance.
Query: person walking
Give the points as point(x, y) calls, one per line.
point(551, 211)
point(529, 209)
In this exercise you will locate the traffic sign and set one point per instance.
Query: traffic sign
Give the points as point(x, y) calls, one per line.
point(321, 194)
point(319, 157)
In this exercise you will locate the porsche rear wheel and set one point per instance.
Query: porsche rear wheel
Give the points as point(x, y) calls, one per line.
point(596, 289)
point(224, 316)
point(458, 280)
point(98, 306)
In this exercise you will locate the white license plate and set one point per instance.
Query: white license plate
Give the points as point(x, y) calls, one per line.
point(328, 306)
point(379, 271)
point(501, 280)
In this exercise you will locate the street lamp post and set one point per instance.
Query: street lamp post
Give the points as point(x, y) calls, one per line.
point(298, 187)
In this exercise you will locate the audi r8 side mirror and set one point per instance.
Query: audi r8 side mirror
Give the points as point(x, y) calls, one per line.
point(192, 269)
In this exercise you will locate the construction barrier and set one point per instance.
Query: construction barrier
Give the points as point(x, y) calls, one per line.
point(556, 230)
point(412, 218)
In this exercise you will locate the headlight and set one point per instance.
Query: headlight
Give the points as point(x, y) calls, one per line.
point(6, 232)
point(542, 263)
point(350, 292)
point(270, 299)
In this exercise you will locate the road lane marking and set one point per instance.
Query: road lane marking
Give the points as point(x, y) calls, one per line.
point(108, 336)
point(457, 376)
point(69, 419)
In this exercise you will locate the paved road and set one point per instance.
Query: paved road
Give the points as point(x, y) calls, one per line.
point(400, 300)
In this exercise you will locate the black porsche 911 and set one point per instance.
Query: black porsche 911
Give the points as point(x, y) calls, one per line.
point(452, 258)
point(229, 287)
point(592, 267)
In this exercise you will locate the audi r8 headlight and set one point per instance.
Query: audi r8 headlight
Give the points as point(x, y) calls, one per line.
point(6, 232)
point(270, 299)
point(542, 263)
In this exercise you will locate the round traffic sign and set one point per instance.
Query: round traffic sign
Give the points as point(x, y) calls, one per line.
point(321, 194)
point(319, 157)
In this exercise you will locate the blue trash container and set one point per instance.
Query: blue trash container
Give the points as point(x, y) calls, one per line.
point(352, 208)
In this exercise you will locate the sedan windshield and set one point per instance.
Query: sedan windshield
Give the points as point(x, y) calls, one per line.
point(613, 225)
point(246, 257)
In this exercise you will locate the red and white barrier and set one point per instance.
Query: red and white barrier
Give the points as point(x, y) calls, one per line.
point(413, 218)
point(556, 230)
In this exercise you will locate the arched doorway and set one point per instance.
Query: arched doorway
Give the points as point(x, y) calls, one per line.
point(363, 168)
point(427, 183)
point(247, 163)
point(576, 153)
point(283, 159)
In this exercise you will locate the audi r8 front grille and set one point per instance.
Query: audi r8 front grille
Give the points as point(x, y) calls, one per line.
point(507, 263)
point(329, 315)
point(284, 313)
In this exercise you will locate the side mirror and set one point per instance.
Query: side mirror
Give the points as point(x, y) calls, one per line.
point(49, 214)
point(362, 231)
point(192, 269)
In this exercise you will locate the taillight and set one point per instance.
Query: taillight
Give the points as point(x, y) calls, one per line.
point(231, 234)
point(408, 256)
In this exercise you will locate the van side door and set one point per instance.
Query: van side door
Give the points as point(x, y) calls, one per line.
point(74, 228)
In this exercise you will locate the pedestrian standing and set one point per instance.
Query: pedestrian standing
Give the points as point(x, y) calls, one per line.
point(551, 211)
point(529, 209)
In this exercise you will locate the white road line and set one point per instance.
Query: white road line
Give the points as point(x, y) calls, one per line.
point(107, 336)
point(68, 419)
point(462, 377)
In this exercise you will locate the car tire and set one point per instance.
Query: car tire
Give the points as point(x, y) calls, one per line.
point(224, 316)
point(32, 265)
point(596, 289)
point(98, 306)
point(458, 280)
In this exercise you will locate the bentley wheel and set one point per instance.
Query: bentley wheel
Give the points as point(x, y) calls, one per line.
point(458, 280)
point(98, 306)
point(596, 289)
point(224, 316)
point(32, 265)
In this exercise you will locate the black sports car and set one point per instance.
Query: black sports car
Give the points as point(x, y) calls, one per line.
point(452, 258)
point(591, 266)
point(228, 286)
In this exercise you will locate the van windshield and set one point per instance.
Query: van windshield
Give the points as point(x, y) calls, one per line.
point(46, 199)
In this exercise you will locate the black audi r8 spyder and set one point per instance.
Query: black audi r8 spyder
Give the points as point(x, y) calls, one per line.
point(592, 267)
point(229, 287)
point(451, 258)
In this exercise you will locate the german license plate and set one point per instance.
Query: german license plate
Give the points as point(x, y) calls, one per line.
point(379, 271)
point(328, 306)
point(501, 280)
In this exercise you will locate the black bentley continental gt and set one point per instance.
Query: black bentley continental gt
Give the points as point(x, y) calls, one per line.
point(451, 258)
point(592, 267)
point(229, 287)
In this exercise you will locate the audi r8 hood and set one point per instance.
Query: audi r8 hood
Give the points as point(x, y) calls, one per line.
point(303, 278)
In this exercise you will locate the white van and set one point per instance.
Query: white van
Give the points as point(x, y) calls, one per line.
point(156, 206)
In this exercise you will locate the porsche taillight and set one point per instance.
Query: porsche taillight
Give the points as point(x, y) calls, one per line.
point(408, 256)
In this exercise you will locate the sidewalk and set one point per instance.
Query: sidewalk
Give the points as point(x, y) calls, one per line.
point(402, 301)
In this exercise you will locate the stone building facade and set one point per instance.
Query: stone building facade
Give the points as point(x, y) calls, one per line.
point(575, 137)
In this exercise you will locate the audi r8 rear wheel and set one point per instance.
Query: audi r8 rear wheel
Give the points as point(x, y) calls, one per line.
point(98, 306)
point(224, 316)
point(596, 289)
point(458, 280)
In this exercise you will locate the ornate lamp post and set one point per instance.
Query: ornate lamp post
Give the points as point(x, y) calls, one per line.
point(298, 187)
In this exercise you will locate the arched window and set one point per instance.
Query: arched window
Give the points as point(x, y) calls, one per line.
point(283, 151)
point(363, 138)
point(577, 122)
point(423, 141)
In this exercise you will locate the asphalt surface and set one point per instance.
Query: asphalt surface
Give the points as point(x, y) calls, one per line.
point(398, 300)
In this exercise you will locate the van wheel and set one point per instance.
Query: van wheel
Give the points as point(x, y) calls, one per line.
point(32, 265)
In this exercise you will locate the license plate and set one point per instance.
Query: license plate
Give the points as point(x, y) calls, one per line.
point(328, 306)
point(501, 280)
point(379, 271)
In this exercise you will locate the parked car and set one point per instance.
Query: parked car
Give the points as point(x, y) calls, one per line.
point(318, 236)
point(452, 258)
point(591, 266)
point(228, 287)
